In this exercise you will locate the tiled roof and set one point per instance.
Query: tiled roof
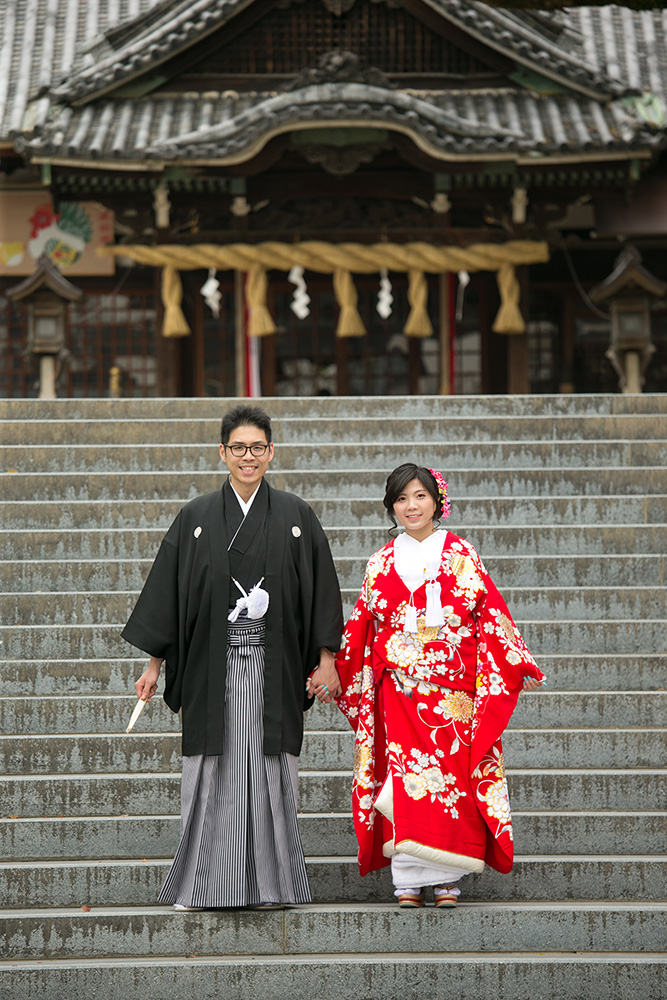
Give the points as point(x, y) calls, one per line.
point(44, 40)
point(627, 45)
point(86, 45)
point(523, 38)
point(175, 25)
point(225, 127)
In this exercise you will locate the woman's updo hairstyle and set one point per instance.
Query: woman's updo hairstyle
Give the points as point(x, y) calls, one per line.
point(397, 482)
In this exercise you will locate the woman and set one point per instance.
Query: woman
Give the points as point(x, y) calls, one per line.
point(431, 669)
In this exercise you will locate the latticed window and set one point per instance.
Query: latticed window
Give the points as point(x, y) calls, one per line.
point(593, 371)
point(106, 331)
point(543, 342)
point(16, 377)
point(311, 360)
point(219, 349)
point(286, 41)
point(468, 340)
point(656, 373)
point(102, 332)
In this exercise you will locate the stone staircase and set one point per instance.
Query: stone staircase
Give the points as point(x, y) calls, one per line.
point(565, 499)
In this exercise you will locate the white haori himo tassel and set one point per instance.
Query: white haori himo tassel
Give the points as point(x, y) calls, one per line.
point(255, 602)
point(411, 616)
point(435, 617)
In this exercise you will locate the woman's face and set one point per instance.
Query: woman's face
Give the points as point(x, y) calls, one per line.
point(415, 509)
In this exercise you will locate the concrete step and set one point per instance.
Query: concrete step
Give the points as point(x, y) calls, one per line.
point(201, 432)
point(341, 483)
point(98, 837)
point(466, 976)
point(525, 539)
point(526, 603)
point(583, 672)
point(304, 407)
point(350, 454)
point(136, 794)
point(110, 574)
point(87, 515)
point(381, 927)
point(549, 709)
point(515, 540)
point(521, 975)
point(575, 636)
point(533, 490)
point(545, 709)
point(323, 751)
point(624, 570)
point(137, 882)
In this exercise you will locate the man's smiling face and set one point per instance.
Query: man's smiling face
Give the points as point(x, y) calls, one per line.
point(246, 470)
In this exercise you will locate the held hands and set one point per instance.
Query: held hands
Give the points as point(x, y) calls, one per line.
point(147, 684)
point(324, 682)
point(530, 684)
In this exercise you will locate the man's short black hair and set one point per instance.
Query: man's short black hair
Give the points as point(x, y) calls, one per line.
point(241, 415)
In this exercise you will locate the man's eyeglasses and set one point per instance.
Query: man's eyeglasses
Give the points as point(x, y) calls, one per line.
point(239, 450)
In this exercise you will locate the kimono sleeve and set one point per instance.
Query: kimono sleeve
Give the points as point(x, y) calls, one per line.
point(353, 662)
point(360, 703)
point(326, 604)
point(153, 625)
point(503, 660)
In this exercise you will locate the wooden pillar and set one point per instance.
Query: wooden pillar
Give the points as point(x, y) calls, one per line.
point(198, 358)
point(342, 371)
point(446, 334)
point(240, 329)
point(267, 371)
point(518, 377)
point(517, 364)
point(414, 364)
point(495, 349)
point(567, 341)
point(168, 349)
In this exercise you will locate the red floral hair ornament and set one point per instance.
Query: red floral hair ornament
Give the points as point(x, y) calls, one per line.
point(442, 490)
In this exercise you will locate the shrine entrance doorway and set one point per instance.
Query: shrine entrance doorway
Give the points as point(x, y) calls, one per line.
point(304, 357)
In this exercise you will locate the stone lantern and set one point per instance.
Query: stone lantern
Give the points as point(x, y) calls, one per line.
point(46, 294)
point(630, 291)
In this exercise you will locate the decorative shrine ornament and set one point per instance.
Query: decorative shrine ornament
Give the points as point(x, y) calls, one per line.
point(385, 298)
point(442, 490)
point(210, 290)
point(300, 304)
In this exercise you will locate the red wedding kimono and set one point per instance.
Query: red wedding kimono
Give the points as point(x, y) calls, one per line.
point(428, 709)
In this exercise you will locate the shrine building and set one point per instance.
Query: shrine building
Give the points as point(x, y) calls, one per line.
point(345, 197)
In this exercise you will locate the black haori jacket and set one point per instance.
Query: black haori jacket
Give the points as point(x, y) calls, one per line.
point(181, 616)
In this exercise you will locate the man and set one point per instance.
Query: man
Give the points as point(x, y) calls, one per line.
point(243, 605)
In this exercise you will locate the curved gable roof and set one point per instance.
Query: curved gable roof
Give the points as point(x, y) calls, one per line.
point(174, 26)
point(613, 49)
point(542, 44)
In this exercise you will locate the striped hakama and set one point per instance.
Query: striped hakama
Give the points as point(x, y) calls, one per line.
point(240, 843)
